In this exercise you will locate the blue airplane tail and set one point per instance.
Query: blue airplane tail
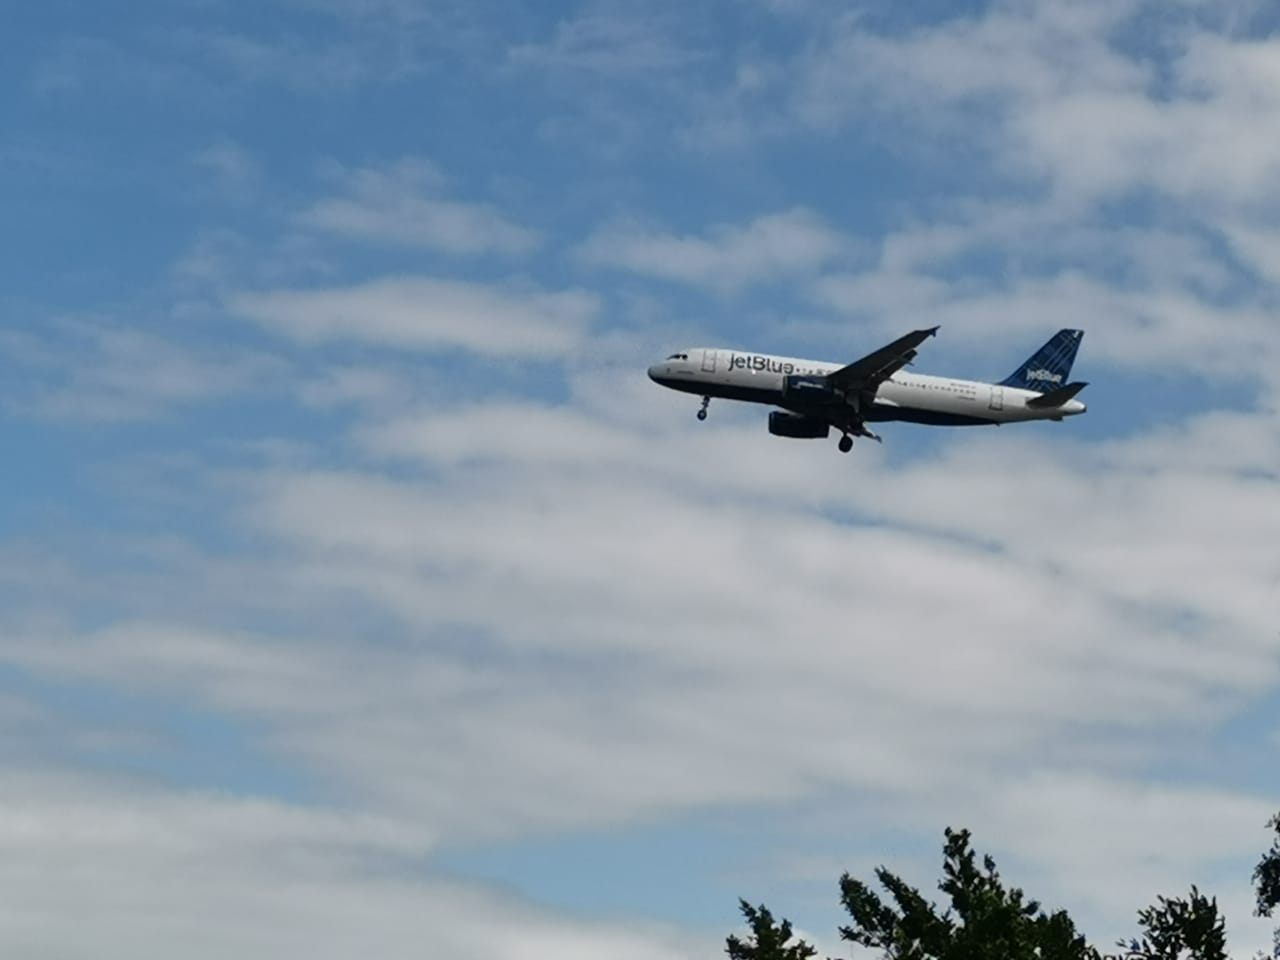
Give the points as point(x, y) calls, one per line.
point(1048, 368)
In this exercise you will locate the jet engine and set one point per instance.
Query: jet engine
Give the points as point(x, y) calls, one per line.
point(800, 428)
point(801, 388)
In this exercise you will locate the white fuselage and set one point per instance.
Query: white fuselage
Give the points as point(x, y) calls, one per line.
point(911, 397)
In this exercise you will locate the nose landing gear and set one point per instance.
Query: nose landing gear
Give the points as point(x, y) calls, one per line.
point(845, 444)
point(702, 412)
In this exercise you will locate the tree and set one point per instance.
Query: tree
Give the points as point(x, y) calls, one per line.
point(985, 919)
point(1266, 875)
point(769, 940)
point(1266, 880)
point(1180, 929)
point(1191, 928)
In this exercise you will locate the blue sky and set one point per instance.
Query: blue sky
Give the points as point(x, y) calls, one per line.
point(359, 593)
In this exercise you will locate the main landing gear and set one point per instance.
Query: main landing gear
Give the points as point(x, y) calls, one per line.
point(846, 441)
point(702, 412)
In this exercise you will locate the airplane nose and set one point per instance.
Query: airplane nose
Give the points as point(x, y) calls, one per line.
point(654, 373)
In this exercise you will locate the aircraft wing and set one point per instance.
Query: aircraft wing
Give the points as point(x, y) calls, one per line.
point(875, 368)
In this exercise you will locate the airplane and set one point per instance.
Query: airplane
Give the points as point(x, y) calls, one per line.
point(816, 396)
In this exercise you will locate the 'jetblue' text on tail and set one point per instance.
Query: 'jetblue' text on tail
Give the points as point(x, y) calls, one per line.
point(1048, 368)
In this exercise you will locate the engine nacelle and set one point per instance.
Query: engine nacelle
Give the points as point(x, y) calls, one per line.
point(800, 428)
point(801, 388)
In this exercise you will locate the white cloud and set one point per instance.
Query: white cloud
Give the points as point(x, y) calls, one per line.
point(148, 873)
point(1258, 247)
point(361, 386)
point(232, 170)
point(305, 64)
point(1025, 52)
point(1050, 92)
point(399, 205)
point(780, 245)
point(427, 314)
point(219, 259)
point(597, 549)
point(613, 42)
point(556, 531)
point(79, 63)
point(1151, 299)
point(398, 12)
point(105, 370)
point(616, 618)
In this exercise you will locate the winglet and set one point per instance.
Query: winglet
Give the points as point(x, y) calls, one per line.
point(1056, 398)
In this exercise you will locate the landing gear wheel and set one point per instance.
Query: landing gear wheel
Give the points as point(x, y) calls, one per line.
point(846, 443)
point(702, 413)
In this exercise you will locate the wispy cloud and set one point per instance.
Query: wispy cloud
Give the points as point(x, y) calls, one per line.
point(631, 569)
point(1063, 98)
point(393, 11)
point(1158, 326)
point(621, 74)
point(107, 370)
point(373, 386)
point(635, 569)
point(402, 205)
point(232, 171)
point(427, 314)
point(307, 66)
point(85, 67)
point(213, 876)
point(613, 42)
point(1258, 246)
point(726, 258)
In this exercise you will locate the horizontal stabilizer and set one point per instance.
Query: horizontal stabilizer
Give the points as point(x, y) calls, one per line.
point(1056, 398)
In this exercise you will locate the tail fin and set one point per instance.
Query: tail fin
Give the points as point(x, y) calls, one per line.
point(1049, 367)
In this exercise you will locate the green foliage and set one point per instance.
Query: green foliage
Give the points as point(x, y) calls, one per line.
point(769, 940)
point(986, 919)
point(1266, 875)
point(1180, 929)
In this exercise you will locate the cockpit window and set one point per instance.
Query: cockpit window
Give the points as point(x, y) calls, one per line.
point(678, 356)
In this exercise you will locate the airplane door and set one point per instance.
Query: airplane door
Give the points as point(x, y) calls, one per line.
point(709, 361)
point(997, 398)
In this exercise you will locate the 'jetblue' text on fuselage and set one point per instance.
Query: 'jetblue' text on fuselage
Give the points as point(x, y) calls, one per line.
point(751, 361)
